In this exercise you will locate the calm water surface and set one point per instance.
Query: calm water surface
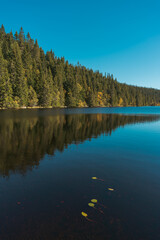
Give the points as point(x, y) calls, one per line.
point(47, 161)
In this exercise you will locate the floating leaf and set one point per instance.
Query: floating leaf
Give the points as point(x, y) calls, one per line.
point(91, 204)
point(110, 189)
point(84, 214)
point(95, 178)
point(94, 200)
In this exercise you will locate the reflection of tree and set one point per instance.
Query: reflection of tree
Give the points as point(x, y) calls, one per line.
point(24, 141)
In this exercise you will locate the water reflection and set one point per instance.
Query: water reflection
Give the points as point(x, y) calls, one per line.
point(25, 140)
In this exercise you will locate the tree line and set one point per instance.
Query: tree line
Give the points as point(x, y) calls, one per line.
point(29, 77)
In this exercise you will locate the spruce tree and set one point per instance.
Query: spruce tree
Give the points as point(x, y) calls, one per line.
point(32, 97)
point(18, 80)
point(6, 100)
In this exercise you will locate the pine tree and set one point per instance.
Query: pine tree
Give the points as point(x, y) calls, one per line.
point(59, 78)
point(46, 94)
point(2, 33)
point(21, 38)
point(6, 100)
point(18, 80)
point(32, 96)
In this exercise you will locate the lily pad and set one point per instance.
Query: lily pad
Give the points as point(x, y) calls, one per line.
point(94, 200)
point(91, 204)
point(84, 214)
point(110, 189)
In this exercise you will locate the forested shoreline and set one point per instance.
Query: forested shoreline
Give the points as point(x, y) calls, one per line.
point(29, 77)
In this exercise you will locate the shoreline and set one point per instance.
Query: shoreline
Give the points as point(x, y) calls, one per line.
point(65, 107)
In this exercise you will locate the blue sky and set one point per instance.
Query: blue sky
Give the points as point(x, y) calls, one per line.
point(113, 36)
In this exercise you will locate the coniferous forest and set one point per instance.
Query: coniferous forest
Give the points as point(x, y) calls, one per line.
point(29, 77)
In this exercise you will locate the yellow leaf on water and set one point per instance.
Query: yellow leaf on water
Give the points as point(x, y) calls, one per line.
point(94, 200)
point(91, 204)
point(84, 214)
point(94, 177)
point(110, 189)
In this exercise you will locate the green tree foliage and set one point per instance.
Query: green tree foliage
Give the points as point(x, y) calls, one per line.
point(6, 100)
point(32, 97)
point(29, 77)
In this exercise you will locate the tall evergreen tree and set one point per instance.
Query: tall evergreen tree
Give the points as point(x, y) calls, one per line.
point(6, 100)
point(18, 80)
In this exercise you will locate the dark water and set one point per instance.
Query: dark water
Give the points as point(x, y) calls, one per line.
point(48, 159)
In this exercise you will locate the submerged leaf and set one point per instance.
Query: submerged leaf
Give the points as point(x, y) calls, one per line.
point(94, 200)
point(94, 178)
point(84, 214)
point(110, 189)
point(91, 204)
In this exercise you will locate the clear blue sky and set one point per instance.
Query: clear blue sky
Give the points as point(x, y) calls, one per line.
point(113, 36)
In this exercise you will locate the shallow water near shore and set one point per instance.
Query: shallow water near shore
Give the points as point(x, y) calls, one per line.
point(48, 158)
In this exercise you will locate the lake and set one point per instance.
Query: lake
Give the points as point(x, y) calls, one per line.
point(53, 162)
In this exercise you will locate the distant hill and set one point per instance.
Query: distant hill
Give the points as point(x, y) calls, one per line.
point(30, 78)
